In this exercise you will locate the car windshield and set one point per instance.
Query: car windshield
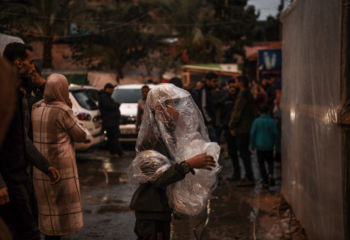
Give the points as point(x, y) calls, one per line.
point(124, 95)
point(86, 98)
point(93, 94)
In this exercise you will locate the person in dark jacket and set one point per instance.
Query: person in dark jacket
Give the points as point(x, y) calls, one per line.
point(271, 93)
point(110, 119)
point(39, 86)
point(241, 119)
point(195, 92)
point(18, 154)
point(219, 93)
point(228, 105)
point(206, 104)
point(141, 106)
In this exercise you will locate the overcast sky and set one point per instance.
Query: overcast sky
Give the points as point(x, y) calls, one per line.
point(266, 7)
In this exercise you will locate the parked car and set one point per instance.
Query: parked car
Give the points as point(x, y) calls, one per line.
point(6, 39)
point(128, 95)
point(85, 109)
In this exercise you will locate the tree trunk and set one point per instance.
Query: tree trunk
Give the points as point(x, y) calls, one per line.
point(119, 72)
point(47, 54)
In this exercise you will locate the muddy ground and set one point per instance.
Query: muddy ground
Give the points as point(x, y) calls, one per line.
point(245, 213)
point(235, 212)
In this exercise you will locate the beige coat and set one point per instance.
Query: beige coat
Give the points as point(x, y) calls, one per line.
point(54, 129)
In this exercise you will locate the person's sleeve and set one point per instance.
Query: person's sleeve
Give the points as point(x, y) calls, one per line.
point(36, 158)
point(173, 174)
point(71, 125)
point(2, 182)
point(237, 111)
point(253, 135)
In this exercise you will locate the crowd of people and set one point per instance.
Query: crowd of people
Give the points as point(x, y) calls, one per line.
point(239, 114)
point(238, 107)
point(245, 115)
point(39, 183)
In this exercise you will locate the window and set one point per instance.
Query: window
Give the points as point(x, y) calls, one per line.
point(85, 99)
point(127, 95)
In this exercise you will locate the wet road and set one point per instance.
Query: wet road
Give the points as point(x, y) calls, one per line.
point(235, 213)
point(105, 195)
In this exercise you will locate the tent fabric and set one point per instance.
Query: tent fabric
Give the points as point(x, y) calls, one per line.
point(312, 139)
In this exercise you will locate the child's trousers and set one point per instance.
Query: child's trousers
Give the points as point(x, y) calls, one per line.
point(265, 157)
point(152, 230)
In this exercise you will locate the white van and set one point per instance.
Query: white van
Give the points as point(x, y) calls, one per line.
point(6, 39)
point(128, 95)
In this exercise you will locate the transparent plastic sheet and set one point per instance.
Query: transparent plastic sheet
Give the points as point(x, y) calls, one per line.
point(312, 145)
point(190, 196)
point(148, 166)
point(173, 125)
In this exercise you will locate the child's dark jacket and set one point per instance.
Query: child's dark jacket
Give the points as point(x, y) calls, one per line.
point(150, 200)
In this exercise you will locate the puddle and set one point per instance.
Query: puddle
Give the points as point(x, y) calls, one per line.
point(113, 208)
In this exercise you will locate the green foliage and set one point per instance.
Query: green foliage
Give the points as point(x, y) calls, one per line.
point(120, 37)
point(186, 20)
point(75, 77)
point(39, 19)
point(234, 22)
point(80, 79)
point(118, 32)
point(268, 30)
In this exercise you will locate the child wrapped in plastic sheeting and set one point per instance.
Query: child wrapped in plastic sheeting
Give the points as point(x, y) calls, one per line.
point(173, 126)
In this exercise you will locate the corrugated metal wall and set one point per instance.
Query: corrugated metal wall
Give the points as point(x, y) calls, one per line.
point(312, 152)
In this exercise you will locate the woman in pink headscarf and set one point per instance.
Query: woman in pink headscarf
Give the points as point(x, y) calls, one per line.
point(54, 130)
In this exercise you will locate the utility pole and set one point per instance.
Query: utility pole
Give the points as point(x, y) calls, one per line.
point(280, 7)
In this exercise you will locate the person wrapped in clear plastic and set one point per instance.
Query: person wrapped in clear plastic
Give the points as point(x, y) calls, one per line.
point(172, 130)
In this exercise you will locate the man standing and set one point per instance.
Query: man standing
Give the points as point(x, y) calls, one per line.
point(228, 105)
point(141, 106)
point(206, 104)
point(195, 92)
point(271, 93)
point(241, 120)
point(110, 119)
point(17, 201)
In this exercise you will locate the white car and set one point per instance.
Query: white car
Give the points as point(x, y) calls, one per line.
point(128, 95)
point(85, 109)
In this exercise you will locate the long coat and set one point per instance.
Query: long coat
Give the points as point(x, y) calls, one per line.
point(54, 129)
